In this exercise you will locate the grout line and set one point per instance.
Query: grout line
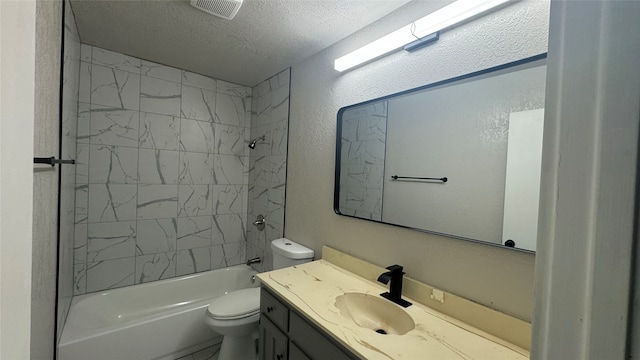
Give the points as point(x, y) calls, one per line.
point(135, 247)
point(175, 265)
point(86, 252)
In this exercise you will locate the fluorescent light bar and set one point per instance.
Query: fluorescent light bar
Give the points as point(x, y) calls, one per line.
point(439, 20)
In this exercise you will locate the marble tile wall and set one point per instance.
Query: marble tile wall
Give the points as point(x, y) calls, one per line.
point(364, 132)
point(162, 175)
point(268, 165)
point(70, 81)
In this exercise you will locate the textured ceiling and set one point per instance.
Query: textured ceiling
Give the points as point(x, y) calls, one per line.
point(264, 38)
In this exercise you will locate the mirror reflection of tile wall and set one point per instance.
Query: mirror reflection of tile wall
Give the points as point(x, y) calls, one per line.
point(364, 131)
point(162, 173)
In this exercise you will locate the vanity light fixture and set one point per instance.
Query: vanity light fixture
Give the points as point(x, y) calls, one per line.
point(435, 22)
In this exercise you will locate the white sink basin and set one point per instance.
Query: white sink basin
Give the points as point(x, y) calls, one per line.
point(375, 313)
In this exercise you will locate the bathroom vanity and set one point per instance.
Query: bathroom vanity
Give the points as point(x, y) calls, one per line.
point(285, 334)
point(319, 310)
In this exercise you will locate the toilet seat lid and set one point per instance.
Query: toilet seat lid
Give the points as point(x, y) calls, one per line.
point(236, 304)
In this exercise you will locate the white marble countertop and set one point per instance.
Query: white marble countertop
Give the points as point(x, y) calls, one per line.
point(311, 289)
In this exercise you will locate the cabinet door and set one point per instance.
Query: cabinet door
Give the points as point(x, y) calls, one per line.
point(315, 345)
point(274, 310)
point(296, 354)
point(273, 343)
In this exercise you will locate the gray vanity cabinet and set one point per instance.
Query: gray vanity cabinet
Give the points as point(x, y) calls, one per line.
point(286, 334)
point(296, 354)
point(273, 343)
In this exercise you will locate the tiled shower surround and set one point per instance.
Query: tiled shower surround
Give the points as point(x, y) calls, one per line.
point(162, 172)
point(268, 165)
point(364, 131)
point(70, 81)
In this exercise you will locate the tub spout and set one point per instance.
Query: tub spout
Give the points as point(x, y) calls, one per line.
point(254, 261)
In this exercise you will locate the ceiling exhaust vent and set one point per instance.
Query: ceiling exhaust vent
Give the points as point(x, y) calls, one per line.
point(226, 9)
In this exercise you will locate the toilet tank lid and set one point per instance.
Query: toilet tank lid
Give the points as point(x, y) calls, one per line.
point(290, 249)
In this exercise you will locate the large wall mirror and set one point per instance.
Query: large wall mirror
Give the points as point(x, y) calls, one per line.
point(460, 157)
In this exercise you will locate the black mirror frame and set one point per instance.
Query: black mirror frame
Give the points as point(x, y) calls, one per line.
point(336, 190)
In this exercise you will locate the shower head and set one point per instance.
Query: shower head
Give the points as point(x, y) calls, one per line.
point(252, 144)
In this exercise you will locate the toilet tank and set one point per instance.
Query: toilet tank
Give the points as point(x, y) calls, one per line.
point(289, 253)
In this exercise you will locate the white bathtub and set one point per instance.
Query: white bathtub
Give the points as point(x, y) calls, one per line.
point(157, 320)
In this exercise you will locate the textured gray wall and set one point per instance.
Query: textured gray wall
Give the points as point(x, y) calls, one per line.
point(45, 178)
point(589, 184)
point(495, 277)
point(18, 29)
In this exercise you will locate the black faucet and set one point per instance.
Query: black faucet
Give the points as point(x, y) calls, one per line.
point(395, 288)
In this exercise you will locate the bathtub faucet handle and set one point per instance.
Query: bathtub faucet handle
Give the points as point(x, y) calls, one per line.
point(256, 260)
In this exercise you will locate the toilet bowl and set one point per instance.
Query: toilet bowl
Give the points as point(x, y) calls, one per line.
point(235, 316)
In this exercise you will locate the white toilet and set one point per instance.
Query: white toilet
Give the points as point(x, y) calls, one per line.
point(236, 314)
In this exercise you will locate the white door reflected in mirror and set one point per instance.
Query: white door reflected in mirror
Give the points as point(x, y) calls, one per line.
point(522, 183)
